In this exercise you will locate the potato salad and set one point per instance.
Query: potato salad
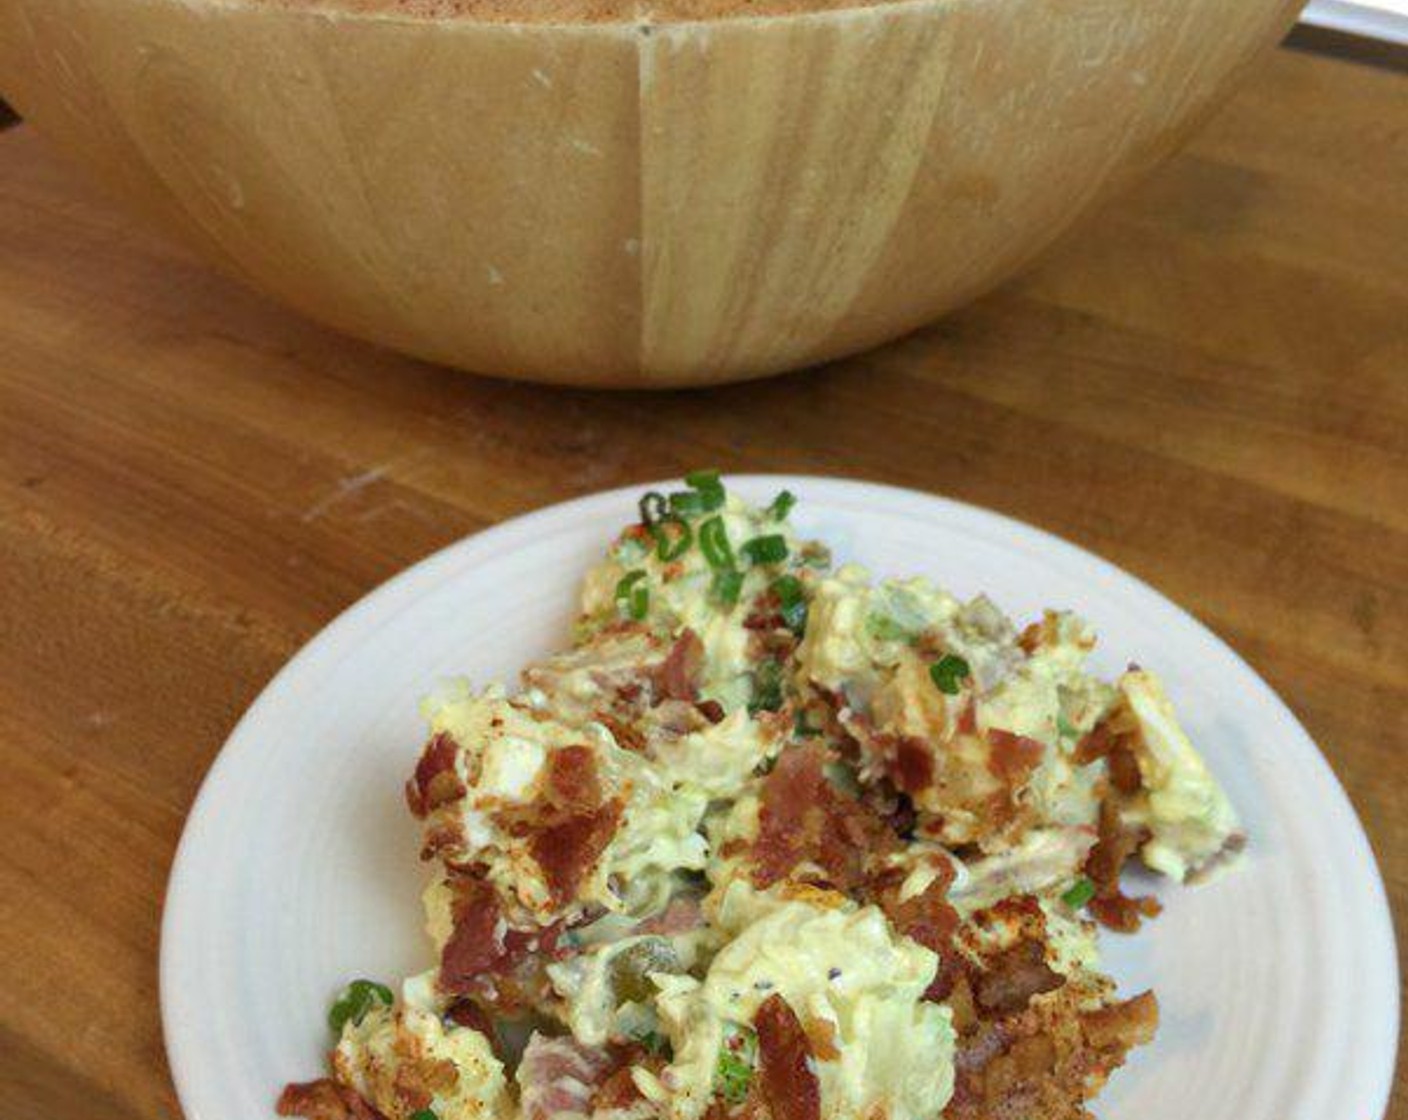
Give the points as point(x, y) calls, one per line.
point(773, 839)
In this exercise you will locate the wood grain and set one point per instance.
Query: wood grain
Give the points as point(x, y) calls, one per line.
point(1208, 384)
point(624, 203)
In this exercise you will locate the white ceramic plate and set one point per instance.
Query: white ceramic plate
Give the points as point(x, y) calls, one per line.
point(298, 867)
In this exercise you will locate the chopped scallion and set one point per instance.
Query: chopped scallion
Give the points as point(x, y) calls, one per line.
point(355, 1000)
point(734, 1072)
point(1080, 893)
point(708, 486)
point(632, 595)
point(713, 542)
point(791, 602)
point(686, 503)
point(782, 505)
point(770, 549)
point(673, 536)
point(653, 507)
point(948, 672)
point(727, 586)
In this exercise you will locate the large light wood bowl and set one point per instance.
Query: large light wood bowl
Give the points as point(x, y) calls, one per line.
point(624, 203)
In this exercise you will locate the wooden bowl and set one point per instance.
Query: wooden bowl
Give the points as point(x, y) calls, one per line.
point(624, 203)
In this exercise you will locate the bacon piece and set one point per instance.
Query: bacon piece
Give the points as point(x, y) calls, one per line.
point(967, 723)
point(572, 785)
point(788, 1084)
point(913, 768)
point(577, 825)
point(803, 818)
point(711, 710)
point(1115, 844)
point(324, 1099)
point(569, 825)
point(678, 675)
point(928, 919)
point(476, 944)
point(1105, 741)
point(628, 737)
point(1122, 1026)
point(467, 1013)
point(567, 851)
point(1013, 757)
point(483, 958)
point(435, 782)
point(1013, 977)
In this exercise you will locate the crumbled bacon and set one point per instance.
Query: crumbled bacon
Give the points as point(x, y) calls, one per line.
point(324, 1099)
point(628, 736)
point(928, 919)
point(1122, 1025)
point(476, 943)
point(1106, 740)
point(711, 710)
point(467, 1013)
point(678, 675)
point(788, 1084)
point(1115, 844)
point(913, 768)
point(435, 782)
point(1013, 977)
point(485, 959)
point(567, 851)
point(967, 722)
point(576, 823)
point(803, 818)
point(1012, 757)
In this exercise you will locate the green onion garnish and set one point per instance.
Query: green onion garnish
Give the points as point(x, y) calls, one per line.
point(948, 671)
point(673, 536)
point(652, 508)
point(355, 1000)
point(1081, 892)
point(791, 602)
point(803, 729)
point(726, 586)
point(782, 505)
point(771, 549)
point(686, 503)
point(632, 596)
point(1065, 728)
point(734, 1071)
point(713, 542)
point(707, 485)
point(424, 1114)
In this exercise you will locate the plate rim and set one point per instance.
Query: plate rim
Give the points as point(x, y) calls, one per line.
point(474, 548)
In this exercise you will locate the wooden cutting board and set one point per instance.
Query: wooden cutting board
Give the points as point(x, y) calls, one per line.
point(1208, 384)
